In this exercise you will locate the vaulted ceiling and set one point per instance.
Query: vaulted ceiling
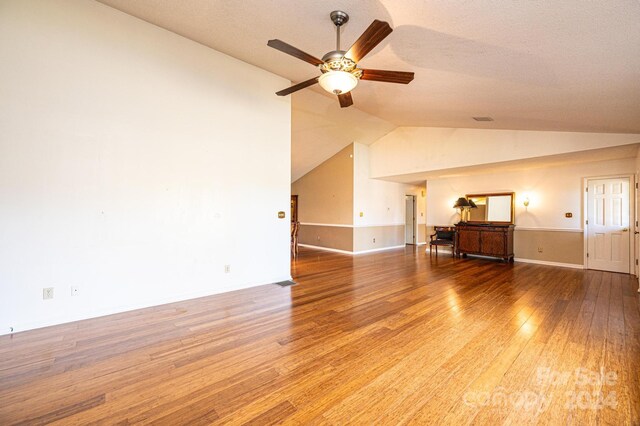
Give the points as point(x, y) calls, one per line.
point(570, 65)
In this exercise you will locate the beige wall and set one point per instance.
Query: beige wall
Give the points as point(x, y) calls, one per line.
point(423, 236)
point(335, 237)
point(339, 189)
point(382, 205)
point(552, 192)
point(348, 238)
point(556, 246)
point(377, 237)
point(325, 194)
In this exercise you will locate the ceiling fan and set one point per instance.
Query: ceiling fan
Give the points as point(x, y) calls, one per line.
point(339, 68)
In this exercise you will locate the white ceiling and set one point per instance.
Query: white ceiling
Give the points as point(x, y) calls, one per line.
point(570, 65)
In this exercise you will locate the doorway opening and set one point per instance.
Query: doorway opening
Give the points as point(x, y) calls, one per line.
point(608, 225)
point(410, 219)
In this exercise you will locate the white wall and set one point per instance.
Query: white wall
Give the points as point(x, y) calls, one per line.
point(418, 149)
point(320, 129)
point(381, 202)
point(552, 192)
point(134, 164)
point(421, 199)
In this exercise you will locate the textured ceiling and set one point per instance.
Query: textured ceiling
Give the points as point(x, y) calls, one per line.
point(570, 65)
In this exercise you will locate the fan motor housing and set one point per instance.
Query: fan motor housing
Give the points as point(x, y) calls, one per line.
point(334, 55)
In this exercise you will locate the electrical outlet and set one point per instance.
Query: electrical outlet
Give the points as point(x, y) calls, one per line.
point(539, 249)
point(47, 293)
point(75, 290)
point(374, 240)
point(227, 269)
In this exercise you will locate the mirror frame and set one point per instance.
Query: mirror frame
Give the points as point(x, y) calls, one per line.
point(493, 194)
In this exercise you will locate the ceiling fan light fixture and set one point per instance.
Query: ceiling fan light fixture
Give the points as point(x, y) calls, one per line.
point(339, 68)
point(338, 82)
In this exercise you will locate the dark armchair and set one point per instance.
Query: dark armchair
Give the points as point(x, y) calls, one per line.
point(443, 236)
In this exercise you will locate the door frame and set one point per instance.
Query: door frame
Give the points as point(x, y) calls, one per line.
point(294, 207)
point(632, 214)
point(415, 219)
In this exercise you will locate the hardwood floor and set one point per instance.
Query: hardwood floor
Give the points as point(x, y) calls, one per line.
point(387, 338)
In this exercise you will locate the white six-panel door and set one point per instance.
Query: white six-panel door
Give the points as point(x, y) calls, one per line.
point(608, 224)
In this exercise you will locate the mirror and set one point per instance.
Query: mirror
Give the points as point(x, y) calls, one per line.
point(492, 208)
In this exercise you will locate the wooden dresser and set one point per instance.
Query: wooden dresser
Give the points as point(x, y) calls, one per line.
point(485, 240)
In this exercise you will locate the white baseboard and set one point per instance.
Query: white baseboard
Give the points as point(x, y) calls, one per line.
point(352, 253)
point(576, 230)
point(546, 262)
point(335, 225)
point(325, 248)
point(379, 249)
point(441, 249)
point(339, 225)
point(86, 315)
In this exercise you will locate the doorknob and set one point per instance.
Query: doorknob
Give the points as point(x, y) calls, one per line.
point(625, 229)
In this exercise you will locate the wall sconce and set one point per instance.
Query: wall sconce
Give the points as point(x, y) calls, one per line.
point(526, 202)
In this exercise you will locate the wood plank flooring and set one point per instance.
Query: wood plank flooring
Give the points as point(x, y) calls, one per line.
point(389, 338)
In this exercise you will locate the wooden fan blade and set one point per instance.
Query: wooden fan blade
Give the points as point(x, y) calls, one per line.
point(369, 39)
point(294, 51)
point(345, 100)
point(402, 77)
point(298, 86)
